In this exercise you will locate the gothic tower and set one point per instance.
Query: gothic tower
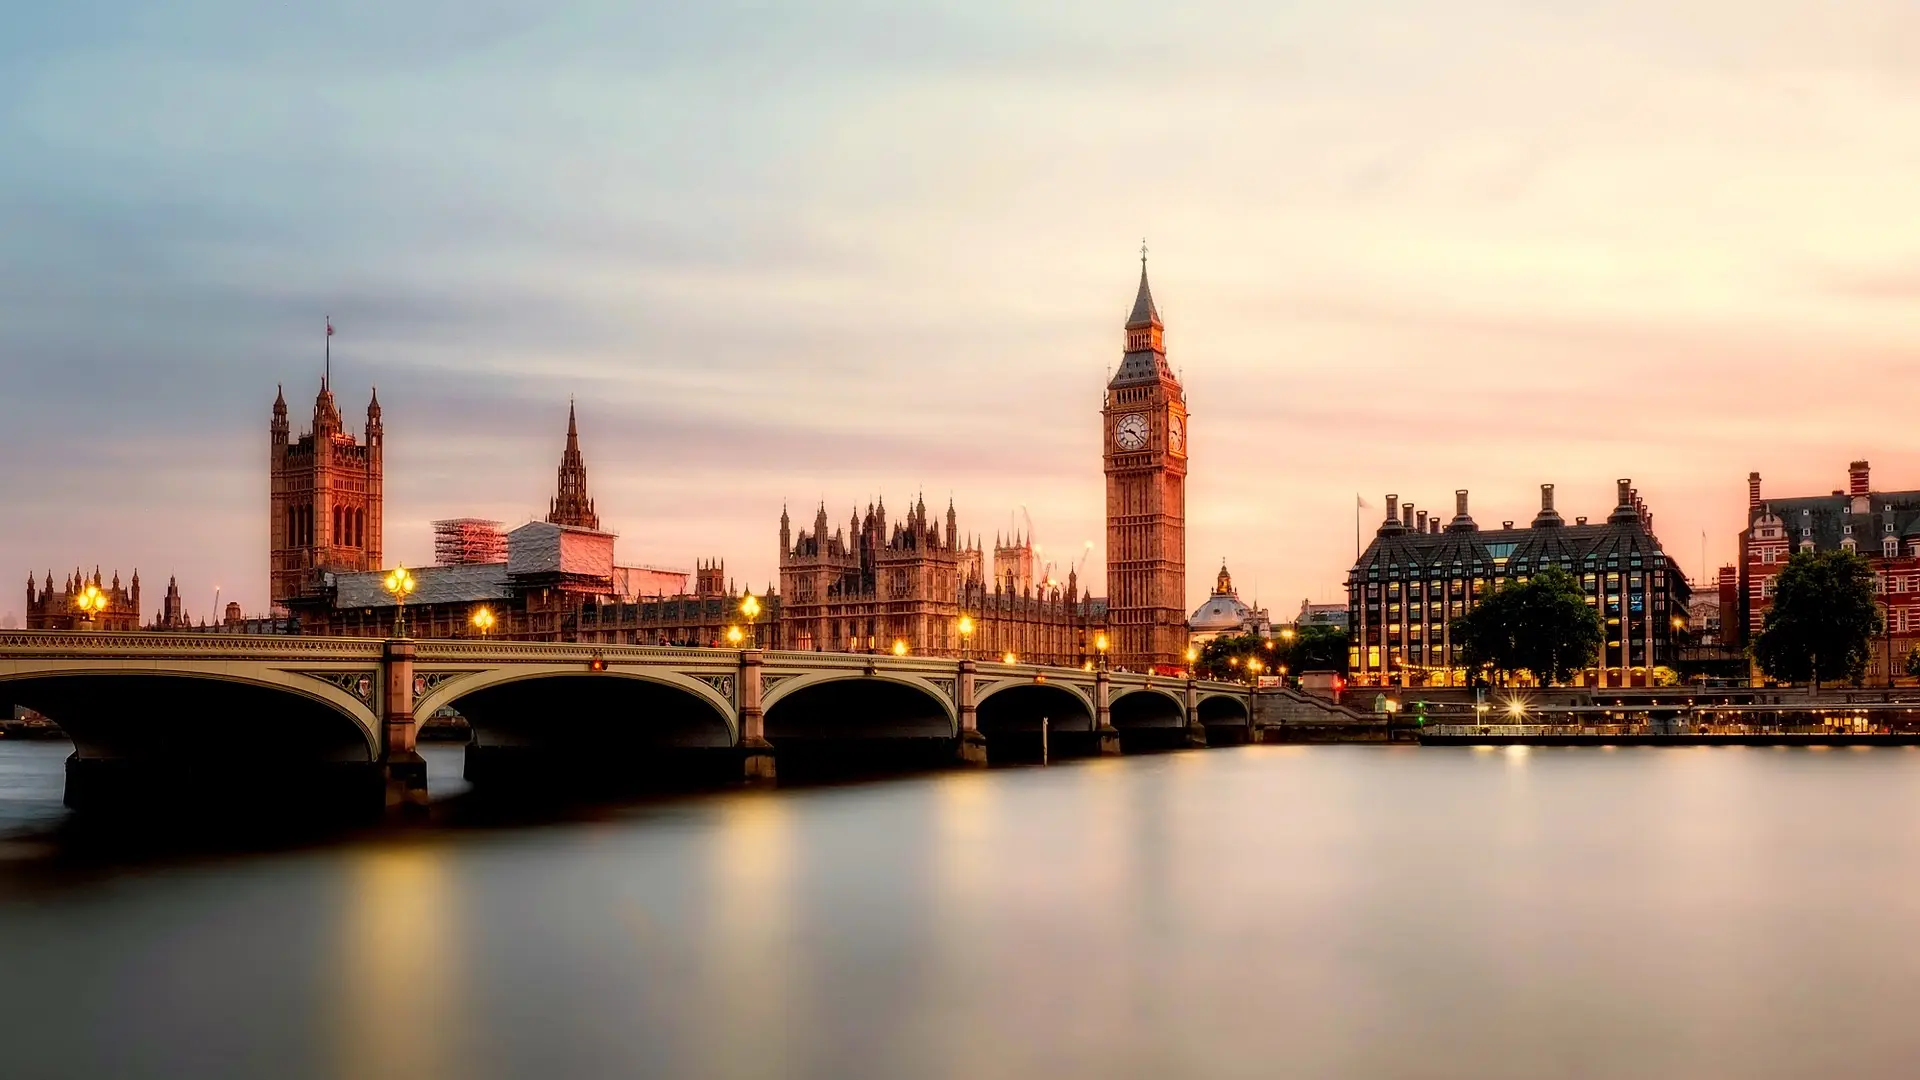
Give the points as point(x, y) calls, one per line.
point(571, 506)
point(1145, 420)
point(325, 499)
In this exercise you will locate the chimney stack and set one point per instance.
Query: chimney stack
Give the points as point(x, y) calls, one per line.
point(1406, 515)
point(1753, 491)
point(1625, 488)
point(1420, 522)
point(1857, 478)
point(1460, 503)
point(1393, 508)
point(1547, 516)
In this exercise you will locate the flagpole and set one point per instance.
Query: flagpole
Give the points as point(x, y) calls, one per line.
point(326, 378)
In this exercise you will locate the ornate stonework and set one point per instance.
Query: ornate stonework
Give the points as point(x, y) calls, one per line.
point(1145, 451)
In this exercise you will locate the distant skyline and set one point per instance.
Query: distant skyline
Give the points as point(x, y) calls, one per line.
point(843, 251)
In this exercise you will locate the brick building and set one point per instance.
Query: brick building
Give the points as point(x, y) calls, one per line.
point(1883, 526)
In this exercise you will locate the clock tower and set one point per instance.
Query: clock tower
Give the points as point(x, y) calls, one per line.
point(1145, 448)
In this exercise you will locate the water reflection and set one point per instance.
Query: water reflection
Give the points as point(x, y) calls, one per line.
point(400, 983)
point(1267, 911)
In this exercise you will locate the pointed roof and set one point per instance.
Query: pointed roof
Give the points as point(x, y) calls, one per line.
point(1144, 314)
point(571, 506)
point(1145, 360)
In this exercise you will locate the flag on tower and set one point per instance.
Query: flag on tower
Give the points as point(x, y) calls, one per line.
point(329, 326)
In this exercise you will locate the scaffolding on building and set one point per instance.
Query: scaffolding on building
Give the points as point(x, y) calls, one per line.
point(468, 542)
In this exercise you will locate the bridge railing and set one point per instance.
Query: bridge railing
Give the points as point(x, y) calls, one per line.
point(86, 643)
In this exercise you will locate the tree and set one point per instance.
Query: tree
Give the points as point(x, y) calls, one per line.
point(1822, 621)
point(1544, 627)
point(1312, 648)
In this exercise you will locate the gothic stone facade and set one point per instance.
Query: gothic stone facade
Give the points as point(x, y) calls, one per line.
point(50, 609)
point(869, 587)
point(325, 499)
point(1416, 577)
point(1145, 420)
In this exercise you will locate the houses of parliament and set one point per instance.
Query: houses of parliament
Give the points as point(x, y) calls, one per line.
point(909, 583)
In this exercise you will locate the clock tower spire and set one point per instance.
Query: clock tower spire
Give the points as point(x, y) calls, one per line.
point(1145, 450)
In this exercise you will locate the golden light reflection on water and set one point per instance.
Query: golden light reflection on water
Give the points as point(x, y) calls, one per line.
point(751, 960)
point(400, 979)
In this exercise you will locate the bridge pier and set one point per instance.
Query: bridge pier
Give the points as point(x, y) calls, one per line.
point(1106, 736)
point(971, 749)
point(402, 768)
point(1196, 731)
point(756, 753)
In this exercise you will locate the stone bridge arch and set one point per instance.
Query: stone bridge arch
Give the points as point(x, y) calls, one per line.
point(70, 691)
point(449, 689)
point(896, 713)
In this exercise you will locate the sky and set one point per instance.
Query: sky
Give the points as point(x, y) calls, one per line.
point(786, 253)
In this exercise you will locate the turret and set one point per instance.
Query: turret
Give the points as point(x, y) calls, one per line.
point(953, 526)
point(786, 532)
point(281, 431)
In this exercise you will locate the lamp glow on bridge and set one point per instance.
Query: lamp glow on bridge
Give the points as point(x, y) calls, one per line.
point(965, 628)
point(400, 585)
point(734, 636)
point(1009, 658)
point(90, 602)
point(899, 646)
point(483, 621)
point(750, 610)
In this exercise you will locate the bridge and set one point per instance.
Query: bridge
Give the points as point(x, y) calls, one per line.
point(160, 716)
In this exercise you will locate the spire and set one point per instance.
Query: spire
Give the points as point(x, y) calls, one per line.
point(571, 506)
point(1145, 360)
point(1223, 585)
point(1144, 314)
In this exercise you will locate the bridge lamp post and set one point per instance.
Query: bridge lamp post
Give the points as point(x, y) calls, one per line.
point(899, 646)
point(90, 603)
point(1193, 660)
point(483, 621)
point(734, 636)
point(400, 585)
point(1100, 647)
point(1009, 658)
point(965, 627)
point(750, 609)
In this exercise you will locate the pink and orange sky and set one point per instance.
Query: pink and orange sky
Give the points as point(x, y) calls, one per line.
point(844, 250)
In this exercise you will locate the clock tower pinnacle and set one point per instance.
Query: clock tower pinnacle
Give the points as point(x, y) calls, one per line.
point(1144, 420)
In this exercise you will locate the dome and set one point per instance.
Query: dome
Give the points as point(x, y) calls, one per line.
point(1220, 613)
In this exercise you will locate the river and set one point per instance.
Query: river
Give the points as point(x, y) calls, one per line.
point(1330, 911)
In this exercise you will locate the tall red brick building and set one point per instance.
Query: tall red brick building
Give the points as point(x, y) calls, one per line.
point(1145, 452)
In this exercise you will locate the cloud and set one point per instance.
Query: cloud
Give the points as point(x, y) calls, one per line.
point(849, 250)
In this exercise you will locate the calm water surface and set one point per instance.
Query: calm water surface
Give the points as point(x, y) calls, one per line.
point(1268, 911)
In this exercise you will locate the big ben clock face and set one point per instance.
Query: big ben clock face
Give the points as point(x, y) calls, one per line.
point(1131, 432)
point(1176, 434)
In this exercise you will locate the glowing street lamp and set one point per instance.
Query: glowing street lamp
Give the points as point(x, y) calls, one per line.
point(1009, 658)
point(1100, 646)
point(1516, 708)
point(400, 585)
point(90, 603)
point(965, 627)
point(750, 608)
point(899, 646)
point(1286, 634)
point(483, 621)
point(734, 636)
